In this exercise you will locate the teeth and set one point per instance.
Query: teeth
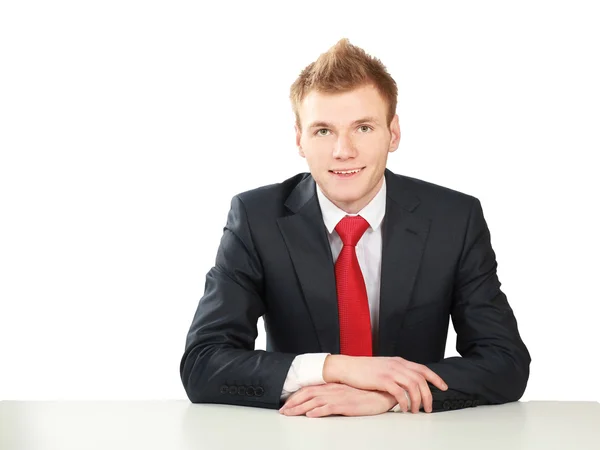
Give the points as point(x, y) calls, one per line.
point(347, 171)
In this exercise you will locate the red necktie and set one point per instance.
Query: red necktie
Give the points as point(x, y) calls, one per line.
point(353, 304)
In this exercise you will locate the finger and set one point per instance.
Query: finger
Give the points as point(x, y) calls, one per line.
point(322, 411)
point(298, 397)
point(410, 382)
point(304, 407)
point(428, 374)
point(399, 394)
point(308, 392)
point(426, 397)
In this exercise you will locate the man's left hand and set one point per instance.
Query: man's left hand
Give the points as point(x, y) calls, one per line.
point(337, 399)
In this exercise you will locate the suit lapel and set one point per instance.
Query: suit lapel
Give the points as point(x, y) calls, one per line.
point(305, 236)
point(404, 234)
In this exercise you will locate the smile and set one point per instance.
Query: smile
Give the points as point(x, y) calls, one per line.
point(346, 173)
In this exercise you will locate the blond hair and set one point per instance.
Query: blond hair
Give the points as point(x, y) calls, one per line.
point(342, 68)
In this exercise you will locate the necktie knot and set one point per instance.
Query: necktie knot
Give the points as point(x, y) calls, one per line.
point(351, 229)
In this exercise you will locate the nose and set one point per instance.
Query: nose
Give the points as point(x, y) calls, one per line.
point(344, 148)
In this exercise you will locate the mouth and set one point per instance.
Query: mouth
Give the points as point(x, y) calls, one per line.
point(346, 173)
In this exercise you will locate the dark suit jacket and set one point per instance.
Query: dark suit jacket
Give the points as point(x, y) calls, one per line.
point(274, 260)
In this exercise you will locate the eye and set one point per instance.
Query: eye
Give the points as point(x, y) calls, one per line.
point(318, 132)
point(362, 128)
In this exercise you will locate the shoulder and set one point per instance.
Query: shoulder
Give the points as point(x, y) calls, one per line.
point(432, 199)
point(270, 196)
point(427, 188)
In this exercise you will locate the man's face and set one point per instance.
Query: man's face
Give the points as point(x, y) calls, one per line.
point(343, 132)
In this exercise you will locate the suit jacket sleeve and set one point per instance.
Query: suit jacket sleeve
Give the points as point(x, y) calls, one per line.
point(220, 364)
point(494, 363)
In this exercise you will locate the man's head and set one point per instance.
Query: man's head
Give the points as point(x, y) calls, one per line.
point(345, 108)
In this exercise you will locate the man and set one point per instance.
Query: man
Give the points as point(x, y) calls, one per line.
point(356, 271)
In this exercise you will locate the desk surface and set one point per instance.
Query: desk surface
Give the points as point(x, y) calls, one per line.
point(179, 424)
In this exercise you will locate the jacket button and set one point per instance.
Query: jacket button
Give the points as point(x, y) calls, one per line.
point(461, 403)
point(259, 391)
point(475, 402)
point(446, 405)
point(468, 403)
point(250, 391)
point(241, 390)
point(224, 389)
point(454, 404)
point(233, 390)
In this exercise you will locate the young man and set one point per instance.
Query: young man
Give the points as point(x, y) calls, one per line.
point(356, 271)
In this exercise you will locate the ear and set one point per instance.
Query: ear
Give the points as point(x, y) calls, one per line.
point(298, 139)
point(395, 132)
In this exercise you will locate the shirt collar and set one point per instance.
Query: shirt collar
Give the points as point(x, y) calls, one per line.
point(373, 212)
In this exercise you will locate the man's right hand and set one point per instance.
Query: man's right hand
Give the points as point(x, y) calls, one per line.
point(388, 374)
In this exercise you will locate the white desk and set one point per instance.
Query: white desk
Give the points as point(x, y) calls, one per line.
point(173, 425)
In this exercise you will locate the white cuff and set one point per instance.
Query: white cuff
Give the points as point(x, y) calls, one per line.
point(306, 370)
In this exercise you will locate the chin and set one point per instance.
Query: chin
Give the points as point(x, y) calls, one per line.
point(345, 198)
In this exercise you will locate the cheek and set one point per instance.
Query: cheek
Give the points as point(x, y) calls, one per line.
point(317, 156)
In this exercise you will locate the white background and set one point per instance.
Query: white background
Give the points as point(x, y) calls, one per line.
point(126, 127)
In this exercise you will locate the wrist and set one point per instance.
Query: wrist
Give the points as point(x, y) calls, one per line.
point(331, 368)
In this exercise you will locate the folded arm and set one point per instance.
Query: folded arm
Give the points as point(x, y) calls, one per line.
point(494, 363)
point(219, 364)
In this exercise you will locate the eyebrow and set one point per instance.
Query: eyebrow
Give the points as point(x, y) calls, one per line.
point(356, 122)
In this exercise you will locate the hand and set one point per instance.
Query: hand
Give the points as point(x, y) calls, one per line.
point(333, 398)
point(394, 375)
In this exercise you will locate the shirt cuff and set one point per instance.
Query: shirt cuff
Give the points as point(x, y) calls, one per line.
point(306, 370)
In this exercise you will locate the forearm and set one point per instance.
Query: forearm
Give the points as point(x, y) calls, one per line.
point(220, 364)
point(215, 374)
point(332, 367)
point(492, 378)
point(494, 363)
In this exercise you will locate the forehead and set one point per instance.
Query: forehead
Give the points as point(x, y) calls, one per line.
point(344, 107)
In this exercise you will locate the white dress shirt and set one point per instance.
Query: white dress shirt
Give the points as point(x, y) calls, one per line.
point(307, 369)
